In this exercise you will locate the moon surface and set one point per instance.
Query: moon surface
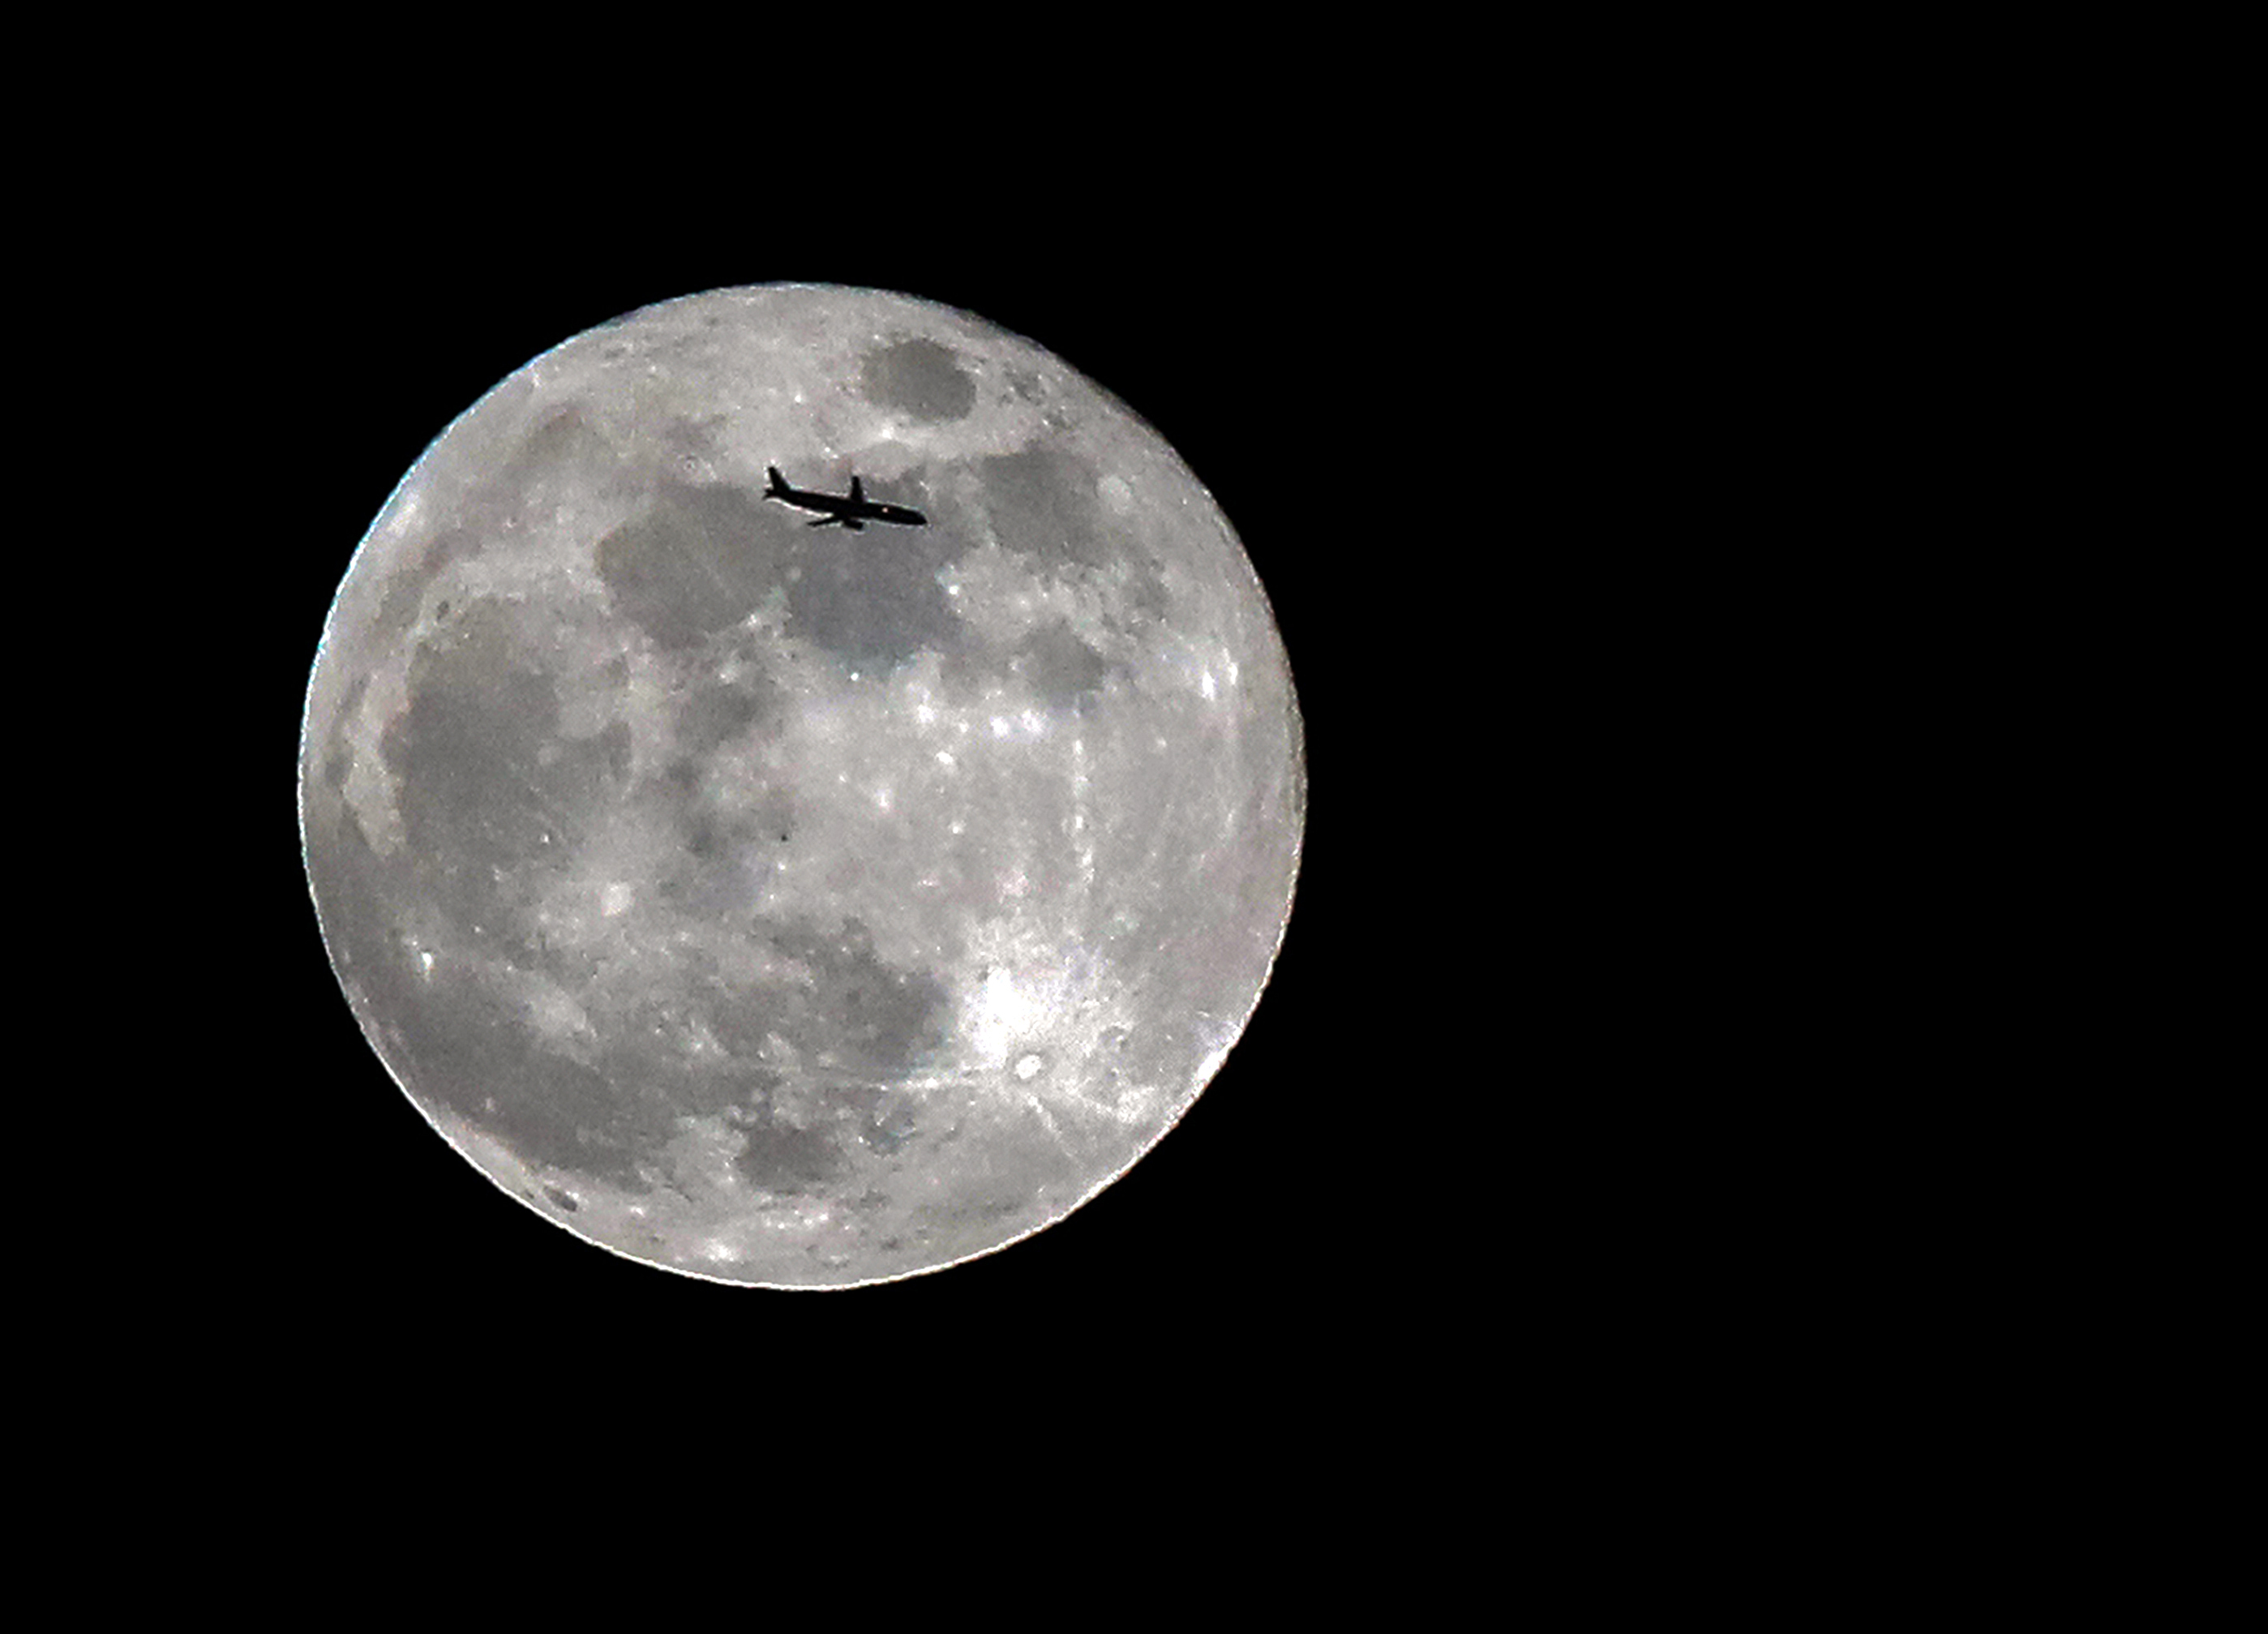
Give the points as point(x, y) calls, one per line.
point(787, 905)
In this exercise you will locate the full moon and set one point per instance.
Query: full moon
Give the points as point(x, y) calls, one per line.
point(779, 903)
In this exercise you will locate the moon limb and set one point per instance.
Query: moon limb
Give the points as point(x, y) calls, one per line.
point(780, 906)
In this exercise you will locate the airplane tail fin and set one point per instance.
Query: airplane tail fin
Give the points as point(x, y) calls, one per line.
point(779, 483)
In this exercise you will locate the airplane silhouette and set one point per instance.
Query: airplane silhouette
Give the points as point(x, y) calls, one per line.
point(853, 513)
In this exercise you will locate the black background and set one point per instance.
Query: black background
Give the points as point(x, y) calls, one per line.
point(1340, 288)
point(1279, 1193)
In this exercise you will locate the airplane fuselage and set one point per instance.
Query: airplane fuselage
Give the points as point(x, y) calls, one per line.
point(853, 511)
